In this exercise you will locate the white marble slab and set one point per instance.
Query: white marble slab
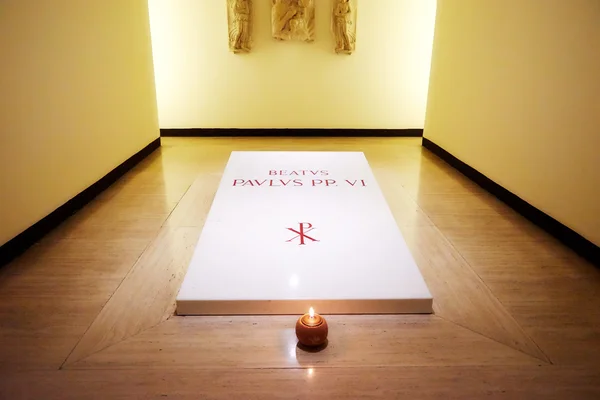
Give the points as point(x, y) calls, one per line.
point(250, 258)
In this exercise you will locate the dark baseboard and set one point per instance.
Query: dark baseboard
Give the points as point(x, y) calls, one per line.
point(19, 244)
point(310, 132)
point(566, 235)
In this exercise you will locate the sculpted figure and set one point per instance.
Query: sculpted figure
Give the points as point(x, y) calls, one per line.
point(344, 26)
point(293, 20)
point(240, 25)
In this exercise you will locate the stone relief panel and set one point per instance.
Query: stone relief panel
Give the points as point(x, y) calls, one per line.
point(239, 18)
point(293, 20)
point(344, 25)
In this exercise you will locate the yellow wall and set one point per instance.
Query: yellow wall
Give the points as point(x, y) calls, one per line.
point(77, 99)
point(515, 93)
point(290, 84)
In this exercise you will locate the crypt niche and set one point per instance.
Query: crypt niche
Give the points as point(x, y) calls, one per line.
point(344, 25)
point(293, 20)
point(239, 19)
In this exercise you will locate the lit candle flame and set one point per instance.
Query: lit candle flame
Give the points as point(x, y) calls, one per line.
point(311, 313)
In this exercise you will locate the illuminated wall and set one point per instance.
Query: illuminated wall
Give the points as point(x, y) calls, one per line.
point(77, 100)
point(292, 85)
point(515, 93)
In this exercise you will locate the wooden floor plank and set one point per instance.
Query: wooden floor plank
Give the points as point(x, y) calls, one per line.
point(545, 286)
point(270, 342)
point(459, 293)
point(146, 295)
point(38, 332)
point(405, 210)
point(455, 382)
point(194, 206)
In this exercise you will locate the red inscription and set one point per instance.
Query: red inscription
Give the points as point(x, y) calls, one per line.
point(303, 172)
point(267, 182)
point(296, 182)
point(301, 233)
point(326, 182)
point(362, 181)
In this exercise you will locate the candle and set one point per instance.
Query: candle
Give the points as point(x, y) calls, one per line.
point(311, 329)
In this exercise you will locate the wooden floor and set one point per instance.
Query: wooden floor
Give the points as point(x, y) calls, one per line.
point(88, 313)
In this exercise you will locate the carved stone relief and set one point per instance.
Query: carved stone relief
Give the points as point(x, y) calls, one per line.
point(344, 25)
point(239, 18)
point(293, 20)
